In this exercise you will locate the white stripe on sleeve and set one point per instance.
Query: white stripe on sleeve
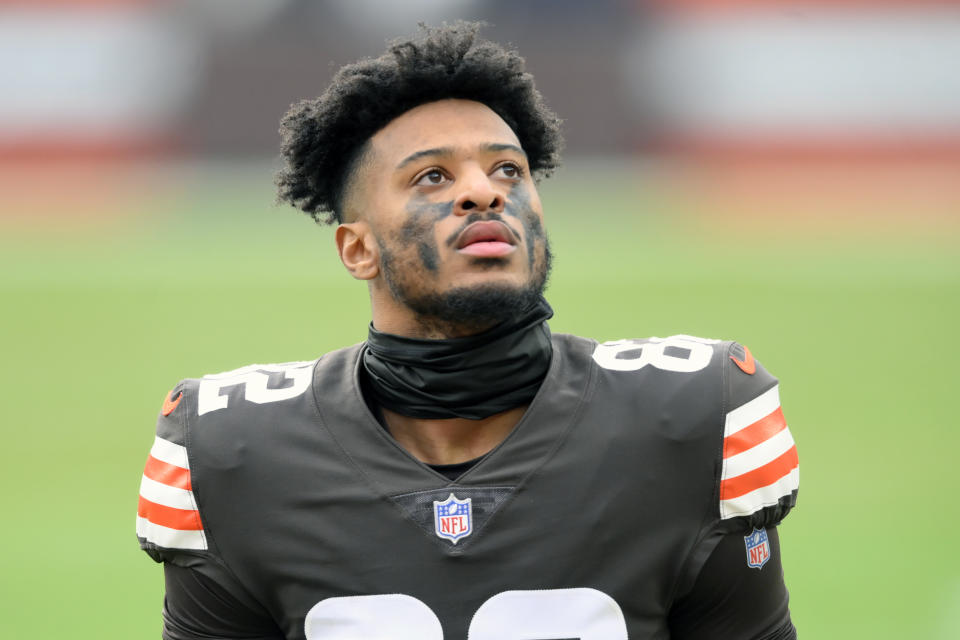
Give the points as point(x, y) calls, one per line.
point(759, 455)
point(170, 538)
point(746, 414)
point(166, 495)
point(170, 453)
point(756, 500)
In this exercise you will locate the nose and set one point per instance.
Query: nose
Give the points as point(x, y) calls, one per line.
point(479, 195)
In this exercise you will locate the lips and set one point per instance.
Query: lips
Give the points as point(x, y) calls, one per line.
point(488, 239)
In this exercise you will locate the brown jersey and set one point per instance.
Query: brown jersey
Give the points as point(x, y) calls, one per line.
point(593, 519)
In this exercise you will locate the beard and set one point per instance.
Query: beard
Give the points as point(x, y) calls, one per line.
point(464, 311)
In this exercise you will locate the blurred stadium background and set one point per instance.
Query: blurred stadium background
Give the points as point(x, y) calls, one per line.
point(786, 174)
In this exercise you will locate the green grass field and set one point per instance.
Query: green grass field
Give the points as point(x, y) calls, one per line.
point(102, 317)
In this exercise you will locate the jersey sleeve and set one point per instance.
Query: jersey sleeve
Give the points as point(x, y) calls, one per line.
point(733, 598)
point(756, 470)
point(203, 598)
point(168, 518)
point(759, 467)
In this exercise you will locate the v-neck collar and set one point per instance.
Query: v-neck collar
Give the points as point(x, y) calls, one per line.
point(392, 470)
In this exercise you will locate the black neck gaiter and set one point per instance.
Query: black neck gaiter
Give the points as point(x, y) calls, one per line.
point(472, 377)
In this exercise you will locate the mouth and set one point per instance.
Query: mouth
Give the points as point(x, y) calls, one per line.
point(487, 239)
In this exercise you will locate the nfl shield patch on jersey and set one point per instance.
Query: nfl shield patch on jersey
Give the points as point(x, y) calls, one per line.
point(758, 548)
point(453, 519)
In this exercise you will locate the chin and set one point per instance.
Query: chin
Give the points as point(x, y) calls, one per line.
point(490, 264)
point(489, 277)
point(473, 308)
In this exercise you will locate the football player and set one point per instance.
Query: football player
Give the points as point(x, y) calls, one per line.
point(464, 473)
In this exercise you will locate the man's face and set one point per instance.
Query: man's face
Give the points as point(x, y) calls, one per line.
point(447, 192)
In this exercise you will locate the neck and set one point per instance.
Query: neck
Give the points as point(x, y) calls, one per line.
point(451, 440)
point(473, 377)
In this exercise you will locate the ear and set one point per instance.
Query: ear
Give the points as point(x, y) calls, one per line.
point(358, 249)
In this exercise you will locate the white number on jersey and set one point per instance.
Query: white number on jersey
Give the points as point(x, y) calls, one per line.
point(632, 355)
point(389, 616)
point(587, 614)
point(254, 379)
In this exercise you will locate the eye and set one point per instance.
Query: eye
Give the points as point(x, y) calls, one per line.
point(509, 170)
point(430, 178)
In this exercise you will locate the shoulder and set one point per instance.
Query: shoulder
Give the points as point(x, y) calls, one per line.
point(214, 427)
point(681, 374)
point(662, 389)
point(257, 384)
point(716, 393)
point(760, 474)
point(167, 513)
point(674, 354)
point(247, 409)
point(233, 394)
point(726, 368)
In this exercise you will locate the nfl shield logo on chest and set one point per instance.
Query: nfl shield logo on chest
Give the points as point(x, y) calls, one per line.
point(453, 519)
point(758, 548)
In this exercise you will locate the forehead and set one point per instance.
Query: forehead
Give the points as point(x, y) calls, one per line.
point(460, 124)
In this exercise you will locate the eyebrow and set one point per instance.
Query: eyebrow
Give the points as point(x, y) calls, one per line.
point(449, 151)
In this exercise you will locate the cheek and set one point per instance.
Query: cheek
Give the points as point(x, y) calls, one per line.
point(534, 201)
point(414, 229)
point(533, 224)
point(428, 255)
point(421, 218)
point(523, 202)
point(536, 211)
point(416, 237)
point(420, 207)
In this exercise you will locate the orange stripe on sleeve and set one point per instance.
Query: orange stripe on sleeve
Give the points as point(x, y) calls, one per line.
point(168, 474)
point(182, 519)
point(760, 431)
point(761, 476)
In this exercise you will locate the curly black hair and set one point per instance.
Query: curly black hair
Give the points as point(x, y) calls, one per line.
point(323, 138)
